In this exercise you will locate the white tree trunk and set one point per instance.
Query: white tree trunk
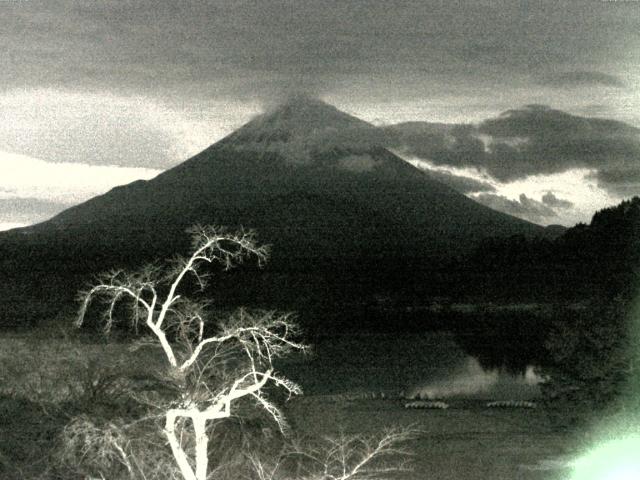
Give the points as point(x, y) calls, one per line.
point(202, 442)
point(176, 448)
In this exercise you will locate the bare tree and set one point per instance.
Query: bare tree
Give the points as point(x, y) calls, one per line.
point(211, 367)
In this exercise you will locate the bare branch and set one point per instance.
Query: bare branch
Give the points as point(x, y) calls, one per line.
point(208, 373)
point(211, 245)
point(266, 335)
point(112, 293)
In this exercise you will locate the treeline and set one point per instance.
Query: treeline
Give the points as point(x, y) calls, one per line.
point(592, 354)
point(599, 260)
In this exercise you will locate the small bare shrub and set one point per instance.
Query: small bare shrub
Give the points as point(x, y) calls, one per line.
point(113, 449)
point(346, 457)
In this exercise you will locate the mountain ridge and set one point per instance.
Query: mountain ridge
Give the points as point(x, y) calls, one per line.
point(324, 199)
point(296, 147)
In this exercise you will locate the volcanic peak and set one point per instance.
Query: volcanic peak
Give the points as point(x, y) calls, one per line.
point(301, 120)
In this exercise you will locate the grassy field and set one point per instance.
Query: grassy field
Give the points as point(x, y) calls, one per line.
point(466, 441)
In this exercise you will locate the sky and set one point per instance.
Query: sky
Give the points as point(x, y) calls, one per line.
point(544, 95)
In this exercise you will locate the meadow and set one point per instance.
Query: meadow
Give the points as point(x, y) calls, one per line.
point(353, 384)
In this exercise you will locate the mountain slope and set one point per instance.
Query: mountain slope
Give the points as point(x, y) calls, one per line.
point(300, 171)
point(310, 179)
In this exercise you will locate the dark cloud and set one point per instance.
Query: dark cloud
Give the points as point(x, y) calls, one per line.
point(533, 140)
point(421, 138)
point(541, 140)
point(525, 207)
point(550, 200)
point(580, 79)
point(529, 141)
point(536, 121)
point(261, 47)
point(451, 145)
point(623, 182)
point(454, 56)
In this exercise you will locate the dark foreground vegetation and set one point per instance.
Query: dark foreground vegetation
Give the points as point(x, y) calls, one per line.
point(592, 350)
point(511, 443)
point(197, 382)
point(73, 408)
point(376, 289)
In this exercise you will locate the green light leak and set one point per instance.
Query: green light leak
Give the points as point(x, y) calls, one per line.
point(617, 457)
point(615, 460)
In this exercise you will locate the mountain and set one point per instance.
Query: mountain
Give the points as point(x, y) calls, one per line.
point(301, 174)
point(312, 180)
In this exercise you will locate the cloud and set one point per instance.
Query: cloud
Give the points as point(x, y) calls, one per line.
point(580, 79)
point(443, 59)
point(29, 177)
point(33, 190)
point(576, 186)
point(530, 143)
point(10, 225)
point(107, 129)
point(257, 48)
point(440, 145)
point(520, 143)
point(17, 211)
point(22, 207)
point(542, 121)
point(303, 128)
point(457, 146)
point(461, 183)
point(623, 182)
point(552, 141)
point(550, 200)
point(525, 207)
point(450, 145)
point(540, 140)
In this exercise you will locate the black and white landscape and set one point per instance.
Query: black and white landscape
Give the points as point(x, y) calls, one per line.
point(324, 240)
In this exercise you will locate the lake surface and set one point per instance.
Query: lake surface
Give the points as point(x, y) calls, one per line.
point(428, 365)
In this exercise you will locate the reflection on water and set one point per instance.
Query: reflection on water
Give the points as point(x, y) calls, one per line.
point(472, 381)
point(504, 343)
point(432, 364)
